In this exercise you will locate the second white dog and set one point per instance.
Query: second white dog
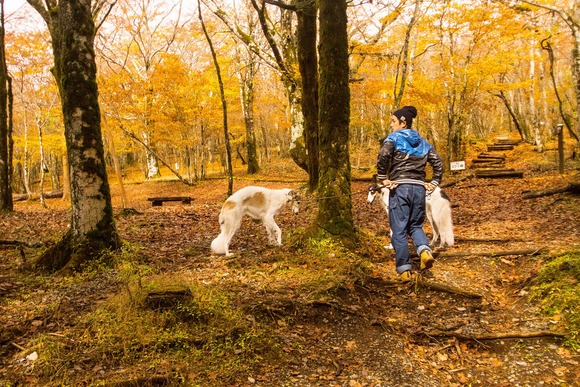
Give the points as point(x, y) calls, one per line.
point(259, 203)
point(437, 208)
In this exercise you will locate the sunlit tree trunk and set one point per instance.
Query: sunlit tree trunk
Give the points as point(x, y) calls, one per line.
point(548, 47)
point(229, 169)
point(54, 168)
point(403, 64)
point(335, 206)
point(5, 135)
point(247, 76)
point(533, 110)
point(43, 169)
point(65, 178)
point(117, 167)
point(308, 66)
point(92, 229)
point(286, 60)
point(25, 161)
point(572, 19)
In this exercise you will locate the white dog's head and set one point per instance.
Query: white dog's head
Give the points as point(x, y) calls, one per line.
point(294, 199)
point(374, 192)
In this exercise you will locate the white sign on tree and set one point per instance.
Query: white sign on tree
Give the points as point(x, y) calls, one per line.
point(457, 165)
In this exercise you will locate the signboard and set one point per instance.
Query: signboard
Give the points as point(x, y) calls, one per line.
point(457, 165)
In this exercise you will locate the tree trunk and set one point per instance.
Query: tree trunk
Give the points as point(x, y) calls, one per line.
point(92, 228)
point(403, 67)
point(308, 66)
point(65, 178)
point(117, 167)
point(335, 206)
point(5, 136)
point(286, 66)
point(532, 99)
point(572, 22)
point(229, 168)
point(26, 157)
point(247, 98)
point(512, 113)
point(548, 47)
point(42, 163)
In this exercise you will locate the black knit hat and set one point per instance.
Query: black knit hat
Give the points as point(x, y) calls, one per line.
point(406, 114)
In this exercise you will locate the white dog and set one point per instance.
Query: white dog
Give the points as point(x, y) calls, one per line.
point(259, 203)
point(437, 208)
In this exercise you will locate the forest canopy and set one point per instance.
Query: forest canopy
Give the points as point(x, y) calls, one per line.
point(474, 68)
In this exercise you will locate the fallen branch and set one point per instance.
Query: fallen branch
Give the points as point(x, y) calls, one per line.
point(20, 347)
point(487, 240)
point(435, 286)
point(501, 253)
point(448, 289)
point(135, 138)
point(46, 195)
point(495, 336)
point(20, 243)
point(453, 182)
point(573, 188)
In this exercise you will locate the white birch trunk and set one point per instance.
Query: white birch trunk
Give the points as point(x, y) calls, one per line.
point(533, 110)
point(42, 167)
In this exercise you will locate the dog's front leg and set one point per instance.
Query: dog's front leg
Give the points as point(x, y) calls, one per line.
point(274, 232)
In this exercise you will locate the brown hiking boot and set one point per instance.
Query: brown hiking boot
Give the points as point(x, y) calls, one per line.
point(427, 260)
point(406, 276)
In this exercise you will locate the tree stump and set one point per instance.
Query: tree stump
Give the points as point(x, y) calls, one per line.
point(168, 297)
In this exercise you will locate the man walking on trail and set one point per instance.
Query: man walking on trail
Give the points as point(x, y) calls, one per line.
point(401, 166)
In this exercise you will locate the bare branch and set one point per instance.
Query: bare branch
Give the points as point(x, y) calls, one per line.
point(97, 9)
point(40, 8)
point(289, 7)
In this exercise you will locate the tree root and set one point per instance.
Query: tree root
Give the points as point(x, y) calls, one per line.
point(448, 289)
point(500, 253)
point(494, 336)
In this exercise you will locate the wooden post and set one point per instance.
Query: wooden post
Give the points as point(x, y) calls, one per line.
point(560, 131)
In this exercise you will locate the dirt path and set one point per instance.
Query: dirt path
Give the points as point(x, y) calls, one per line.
point(375, 333)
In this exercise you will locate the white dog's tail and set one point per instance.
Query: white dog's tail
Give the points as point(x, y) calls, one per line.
point(218, 245)
point(446, 227)
point(230, 220)
point(445, 221)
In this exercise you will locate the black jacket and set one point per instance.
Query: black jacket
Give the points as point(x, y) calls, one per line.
point(403, 157)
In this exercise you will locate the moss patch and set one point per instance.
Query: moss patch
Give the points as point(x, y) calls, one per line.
point(557, 285)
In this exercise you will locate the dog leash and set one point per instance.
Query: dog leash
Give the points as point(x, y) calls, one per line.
point(335, 196)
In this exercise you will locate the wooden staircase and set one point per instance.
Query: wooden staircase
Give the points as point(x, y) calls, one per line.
point(490, 165)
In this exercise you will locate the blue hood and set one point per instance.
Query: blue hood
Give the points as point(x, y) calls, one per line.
point(410, 142)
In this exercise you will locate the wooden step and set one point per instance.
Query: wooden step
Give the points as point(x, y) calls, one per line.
point(498, 173)
point(502, 141)
point(490, 156)
point(491, 148)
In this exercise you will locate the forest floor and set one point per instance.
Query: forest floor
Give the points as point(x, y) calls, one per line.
point(299, 314)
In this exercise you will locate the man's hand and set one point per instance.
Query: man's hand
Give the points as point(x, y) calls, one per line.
point(430, 187)
point(388, 184)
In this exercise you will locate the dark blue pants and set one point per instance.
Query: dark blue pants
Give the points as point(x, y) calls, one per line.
point(406, 217)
